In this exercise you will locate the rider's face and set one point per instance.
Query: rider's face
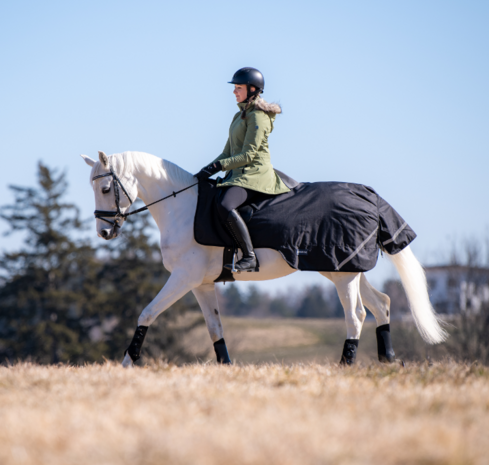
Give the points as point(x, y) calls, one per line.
point(241, 92)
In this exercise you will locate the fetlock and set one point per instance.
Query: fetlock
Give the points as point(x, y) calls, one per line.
point(222, 354)
point(384, 344)
point(349, 352)
point(134, 349)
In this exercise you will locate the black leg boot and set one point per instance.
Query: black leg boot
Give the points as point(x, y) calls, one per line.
point(134, 349)
point(349, 352)
point(384, 344)
point(239, 232)
point(222, 352)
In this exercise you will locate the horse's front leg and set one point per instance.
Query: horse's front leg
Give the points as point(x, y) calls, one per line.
point(207, 299)
point(348, 288)
point(180, 282)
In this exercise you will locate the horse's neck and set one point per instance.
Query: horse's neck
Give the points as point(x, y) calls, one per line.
point(156, 178)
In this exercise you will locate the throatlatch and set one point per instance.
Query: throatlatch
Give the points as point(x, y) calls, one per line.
point(222, 352)
point(384, 344)
point(349, 352)
point(134, 349)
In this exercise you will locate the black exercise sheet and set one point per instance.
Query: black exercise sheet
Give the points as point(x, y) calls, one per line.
point(322, 226)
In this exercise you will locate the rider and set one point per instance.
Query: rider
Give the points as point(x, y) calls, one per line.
point(246, 159)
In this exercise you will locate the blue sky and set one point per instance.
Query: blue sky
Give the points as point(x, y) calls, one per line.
point(389, 94)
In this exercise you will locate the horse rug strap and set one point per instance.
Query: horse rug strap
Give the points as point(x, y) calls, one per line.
point(323, 226)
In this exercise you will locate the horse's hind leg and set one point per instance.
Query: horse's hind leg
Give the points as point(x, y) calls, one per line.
point(379, 304)
point(207, 299)
point(348, 288)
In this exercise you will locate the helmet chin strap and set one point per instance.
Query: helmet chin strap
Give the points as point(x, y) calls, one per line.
point(251, 94)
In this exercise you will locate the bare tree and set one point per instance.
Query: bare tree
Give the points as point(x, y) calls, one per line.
point(470, 341)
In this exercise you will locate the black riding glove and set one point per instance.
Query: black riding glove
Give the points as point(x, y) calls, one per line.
point(208, 171)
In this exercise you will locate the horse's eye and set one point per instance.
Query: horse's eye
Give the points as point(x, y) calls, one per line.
point(105, 190)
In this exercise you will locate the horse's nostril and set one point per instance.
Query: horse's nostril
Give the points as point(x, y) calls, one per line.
point(104, 233)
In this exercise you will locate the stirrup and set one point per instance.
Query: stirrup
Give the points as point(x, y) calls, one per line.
point(232, 266)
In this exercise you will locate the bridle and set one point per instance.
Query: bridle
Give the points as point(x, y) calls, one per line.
point(118, 215)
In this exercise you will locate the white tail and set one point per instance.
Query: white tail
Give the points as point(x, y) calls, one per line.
point(414, 282)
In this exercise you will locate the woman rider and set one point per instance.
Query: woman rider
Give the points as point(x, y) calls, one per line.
point(246, 159)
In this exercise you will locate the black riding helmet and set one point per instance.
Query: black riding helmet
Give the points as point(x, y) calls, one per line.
point(250, 77)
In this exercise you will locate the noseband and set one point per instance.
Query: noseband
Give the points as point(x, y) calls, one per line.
point(118, 215)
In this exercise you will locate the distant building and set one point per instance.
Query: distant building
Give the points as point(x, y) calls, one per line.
point(455, 288)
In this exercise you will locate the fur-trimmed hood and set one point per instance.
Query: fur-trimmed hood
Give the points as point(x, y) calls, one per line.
point(263, 105)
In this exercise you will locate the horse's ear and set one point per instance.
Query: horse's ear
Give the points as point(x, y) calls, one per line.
point(88, 160)
point(104, 159)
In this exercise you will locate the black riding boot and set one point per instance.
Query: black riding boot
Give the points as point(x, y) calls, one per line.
point(239, 232)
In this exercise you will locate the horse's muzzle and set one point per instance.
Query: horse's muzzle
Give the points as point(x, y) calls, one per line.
point(107, 234)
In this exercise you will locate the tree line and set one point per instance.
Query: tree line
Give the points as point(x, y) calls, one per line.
point(311, 302)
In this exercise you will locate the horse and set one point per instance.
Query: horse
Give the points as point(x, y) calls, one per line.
point(170, 194)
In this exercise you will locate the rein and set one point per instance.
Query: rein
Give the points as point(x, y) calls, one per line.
point(118, 215)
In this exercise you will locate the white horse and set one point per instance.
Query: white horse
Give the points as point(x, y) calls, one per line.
point(121, 178)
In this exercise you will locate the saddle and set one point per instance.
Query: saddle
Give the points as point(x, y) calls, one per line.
point(323, 226)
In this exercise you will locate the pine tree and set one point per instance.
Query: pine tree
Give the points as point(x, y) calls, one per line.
point(39, 301)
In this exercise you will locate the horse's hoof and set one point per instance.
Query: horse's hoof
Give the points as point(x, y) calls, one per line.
point(388, 358)
point(127, 362)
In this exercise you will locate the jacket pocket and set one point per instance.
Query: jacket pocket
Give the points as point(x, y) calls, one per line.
point(249, 169)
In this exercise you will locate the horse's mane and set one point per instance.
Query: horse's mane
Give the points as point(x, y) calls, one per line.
point(178, 175)
point(157, 168)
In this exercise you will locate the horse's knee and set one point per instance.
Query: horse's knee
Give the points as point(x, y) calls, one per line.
point(361, 314)
point(146, 318)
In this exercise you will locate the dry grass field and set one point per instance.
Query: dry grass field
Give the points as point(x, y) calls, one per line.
point(244, 414)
